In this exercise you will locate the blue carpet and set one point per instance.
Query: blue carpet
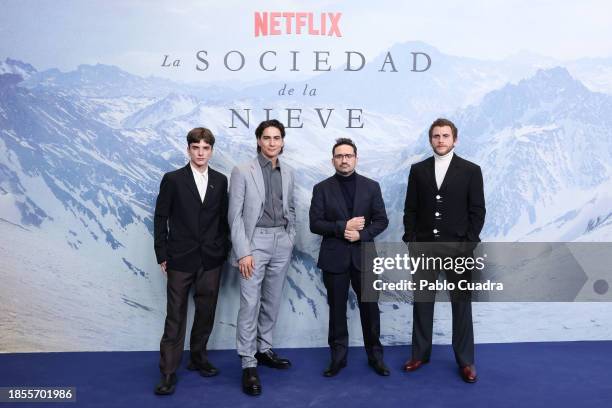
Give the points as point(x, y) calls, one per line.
point(563, 374)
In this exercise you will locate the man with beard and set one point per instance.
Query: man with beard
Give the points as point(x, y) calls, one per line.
point(346, 210)
point(445, 208)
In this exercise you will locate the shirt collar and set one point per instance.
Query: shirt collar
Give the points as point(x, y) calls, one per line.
point(447, 157)
point(195, 171)
point(264, 161)
point(350, 177)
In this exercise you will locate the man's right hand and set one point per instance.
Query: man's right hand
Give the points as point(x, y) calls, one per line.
point(355, 224)
point(163, 266)
point(246, 265)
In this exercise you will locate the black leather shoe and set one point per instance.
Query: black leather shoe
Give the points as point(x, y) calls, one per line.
point(250, 381)
point(205, 368)
point(270, 359)
point(334, 368)
point(380, 367)
point(166, 384)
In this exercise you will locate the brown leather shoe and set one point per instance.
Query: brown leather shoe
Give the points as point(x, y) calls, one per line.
point(414, 364)
point(468, 373)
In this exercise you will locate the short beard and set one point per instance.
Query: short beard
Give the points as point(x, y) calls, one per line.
point(345, 173)
point(445, 153)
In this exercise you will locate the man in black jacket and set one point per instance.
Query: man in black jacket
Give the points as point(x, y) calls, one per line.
point(347, 209)
point(445, 208)
point(191, 245)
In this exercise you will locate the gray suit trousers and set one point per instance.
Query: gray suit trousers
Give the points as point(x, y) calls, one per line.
point(260, 295)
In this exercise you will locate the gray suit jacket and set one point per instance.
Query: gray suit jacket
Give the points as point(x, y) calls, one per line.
point(247, 193)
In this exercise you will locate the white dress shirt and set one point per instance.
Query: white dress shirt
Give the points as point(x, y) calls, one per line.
point(201, 180)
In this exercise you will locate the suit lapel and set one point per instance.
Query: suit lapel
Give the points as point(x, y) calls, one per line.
point(190, 181)
point(210, 186)
point(451, 172)
point(337, 193)
point(285, 186)
point(257, 175)
point(358, 189)
point(431, 173)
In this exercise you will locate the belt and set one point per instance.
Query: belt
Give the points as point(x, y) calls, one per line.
point(269, 230)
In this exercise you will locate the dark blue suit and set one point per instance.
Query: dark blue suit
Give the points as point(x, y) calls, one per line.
point(340, 259)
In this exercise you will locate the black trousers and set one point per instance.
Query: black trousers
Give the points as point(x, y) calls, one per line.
point(337, 285)
point(206, 288)
point(423, 314)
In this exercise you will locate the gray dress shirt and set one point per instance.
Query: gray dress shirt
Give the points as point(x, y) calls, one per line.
point(273, 205)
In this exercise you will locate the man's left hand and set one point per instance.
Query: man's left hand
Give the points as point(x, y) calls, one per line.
point(352, 236)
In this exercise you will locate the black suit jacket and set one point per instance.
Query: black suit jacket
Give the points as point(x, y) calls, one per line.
point(328, 217)
point(459, 203)
point(188, 233)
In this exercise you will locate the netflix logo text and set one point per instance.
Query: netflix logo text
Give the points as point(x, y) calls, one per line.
point(297, 23)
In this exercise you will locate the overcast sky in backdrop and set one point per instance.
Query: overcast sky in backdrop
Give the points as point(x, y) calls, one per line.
point(135, 34)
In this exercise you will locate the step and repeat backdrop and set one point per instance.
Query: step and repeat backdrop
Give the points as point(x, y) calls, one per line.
point(96, 99)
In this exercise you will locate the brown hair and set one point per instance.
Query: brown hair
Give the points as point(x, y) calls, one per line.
point(443, 122)
point(200, 133)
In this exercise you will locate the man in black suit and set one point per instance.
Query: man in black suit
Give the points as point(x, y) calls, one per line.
point(347, 209)
point(445, 208)
point(191, 245)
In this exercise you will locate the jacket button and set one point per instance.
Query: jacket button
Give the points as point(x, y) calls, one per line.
point(435, 231)
point(438, 197)
point(437, 214)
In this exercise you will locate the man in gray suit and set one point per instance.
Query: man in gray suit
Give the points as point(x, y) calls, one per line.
point(262, 221)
